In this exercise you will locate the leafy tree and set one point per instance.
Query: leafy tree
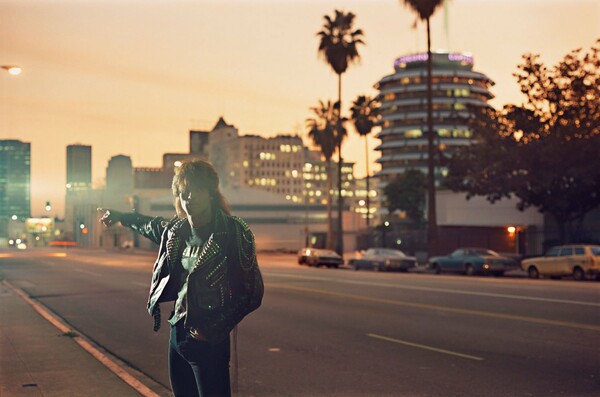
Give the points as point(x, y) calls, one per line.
point(365, 113)
point(322, 130)
point(546, 151)
point(407, 193)
point(425, 9)
point(338, 45)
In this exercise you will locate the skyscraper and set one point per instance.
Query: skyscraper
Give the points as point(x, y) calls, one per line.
point(79, 168)
point(457, 89)
point(15, 176)
point(119, 175)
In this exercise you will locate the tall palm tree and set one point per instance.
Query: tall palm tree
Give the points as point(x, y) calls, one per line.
point(322, 131)
point(424, 10)
point(365, 113)
point(338, 45)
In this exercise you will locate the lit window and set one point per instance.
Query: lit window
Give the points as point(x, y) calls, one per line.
point(413, 134)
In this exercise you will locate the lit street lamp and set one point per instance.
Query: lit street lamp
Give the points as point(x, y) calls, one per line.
point(12, 69)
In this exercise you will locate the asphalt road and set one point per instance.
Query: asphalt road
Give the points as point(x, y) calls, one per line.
point(328, 332)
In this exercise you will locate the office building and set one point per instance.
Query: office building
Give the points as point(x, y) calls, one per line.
point(15, 177)
point(79, 168)
point(456, 90)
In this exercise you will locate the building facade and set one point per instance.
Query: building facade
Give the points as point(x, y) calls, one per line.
point(15, 183)
point(79, 168)
point(456, 90)
point(15, 178)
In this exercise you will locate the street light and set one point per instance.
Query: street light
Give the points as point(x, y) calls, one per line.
point(12, 69)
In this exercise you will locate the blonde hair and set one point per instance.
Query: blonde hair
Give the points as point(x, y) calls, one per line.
point(198, 173)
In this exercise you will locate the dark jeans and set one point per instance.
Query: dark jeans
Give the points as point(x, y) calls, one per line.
point(197, 368)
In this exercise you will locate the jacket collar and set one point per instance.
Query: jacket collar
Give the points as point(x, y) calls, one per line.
point(181, 228)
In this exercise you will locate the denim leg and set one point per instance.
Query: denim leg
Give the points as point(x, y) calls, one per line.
point(209, 363)
point(181, 373)
point(212, 370)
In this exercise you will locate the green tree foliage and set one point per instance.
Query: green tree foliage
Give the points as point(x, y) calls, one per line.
point(407, 193)
point(545, 152)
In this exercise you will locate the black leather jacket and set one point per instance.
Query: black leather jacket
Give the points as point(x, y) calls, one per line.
point(225, 284)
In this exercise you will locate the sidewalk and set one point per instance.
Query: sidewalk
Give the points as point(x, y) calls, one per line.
point(36, 359)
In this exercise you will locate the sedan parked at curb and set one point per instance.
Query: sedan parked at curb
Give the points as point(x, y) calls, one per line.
point(471, 261)
point(579, 261)
point(384, 259)
point(319, 257)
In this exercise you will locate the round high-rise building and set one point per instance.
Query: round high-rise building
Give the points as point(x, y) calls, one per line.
point(456, 88)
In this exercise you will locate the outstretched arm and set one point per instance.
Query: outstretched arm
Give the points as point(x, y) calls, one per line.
point(149, 227)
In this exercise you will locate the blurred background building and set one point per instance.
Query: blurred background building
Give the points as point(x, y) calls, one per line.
point(15, 193)
point(456, 90)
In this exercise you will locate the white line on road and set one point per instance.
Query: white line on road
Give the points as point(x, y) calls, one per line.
point(88, 272)
point(445, 290)
point(435, 349)
point(145, 285)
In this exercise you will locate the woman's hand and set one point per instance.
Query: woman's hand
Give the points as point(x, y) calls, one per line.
point(109, 217)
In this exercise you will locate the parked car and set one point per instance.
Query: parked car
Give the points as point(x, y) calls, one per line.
point(383, 259)
point(579, 261)
point(471, 261)
point(319, 257)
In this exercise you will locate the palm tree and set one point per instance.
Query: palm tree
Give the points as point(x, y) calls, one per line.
point(321, 130)
point(365, 113)
point(424, 10)
point(339, 47)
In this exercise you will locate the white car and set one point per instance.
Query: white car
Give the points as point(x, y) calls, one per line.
point(579, 261)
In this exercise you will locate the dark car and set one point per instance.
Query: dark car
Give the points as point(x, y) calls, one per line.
point(471, 261)
point(383, 259)
point(319, 257)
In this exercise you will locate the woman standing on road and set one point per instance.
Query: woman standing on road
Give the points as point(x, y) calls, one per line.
point(207, 265)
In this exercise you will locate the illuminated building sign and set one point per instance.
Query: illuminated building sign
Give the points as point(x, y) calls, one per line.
point(453, 57)
point(460, 58)
point(39, 225)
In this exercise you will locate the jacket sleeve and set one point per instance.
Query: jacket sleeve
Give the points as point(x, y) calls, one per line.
point(149, 227)
point(246, 285)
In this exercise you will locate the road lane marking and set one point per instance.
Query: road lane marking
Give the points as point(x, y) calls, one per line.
point(425, 347)
point(88, 272)
point(535, 320)
point(84, 343)
point(445, 290)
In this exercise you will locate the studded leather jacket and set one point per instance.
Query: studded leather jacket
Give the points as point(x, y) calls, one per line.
point(224, 285)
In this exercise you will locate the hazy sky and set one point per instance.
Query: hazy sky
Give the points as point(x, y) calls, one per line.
point(132, 77)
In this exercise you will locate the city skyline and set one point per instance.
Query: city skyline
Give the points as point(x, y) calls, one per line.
point(102, 74)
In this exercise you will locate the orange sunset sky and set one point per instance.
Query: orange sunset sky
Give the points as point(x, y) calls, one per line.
point(133, 76)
